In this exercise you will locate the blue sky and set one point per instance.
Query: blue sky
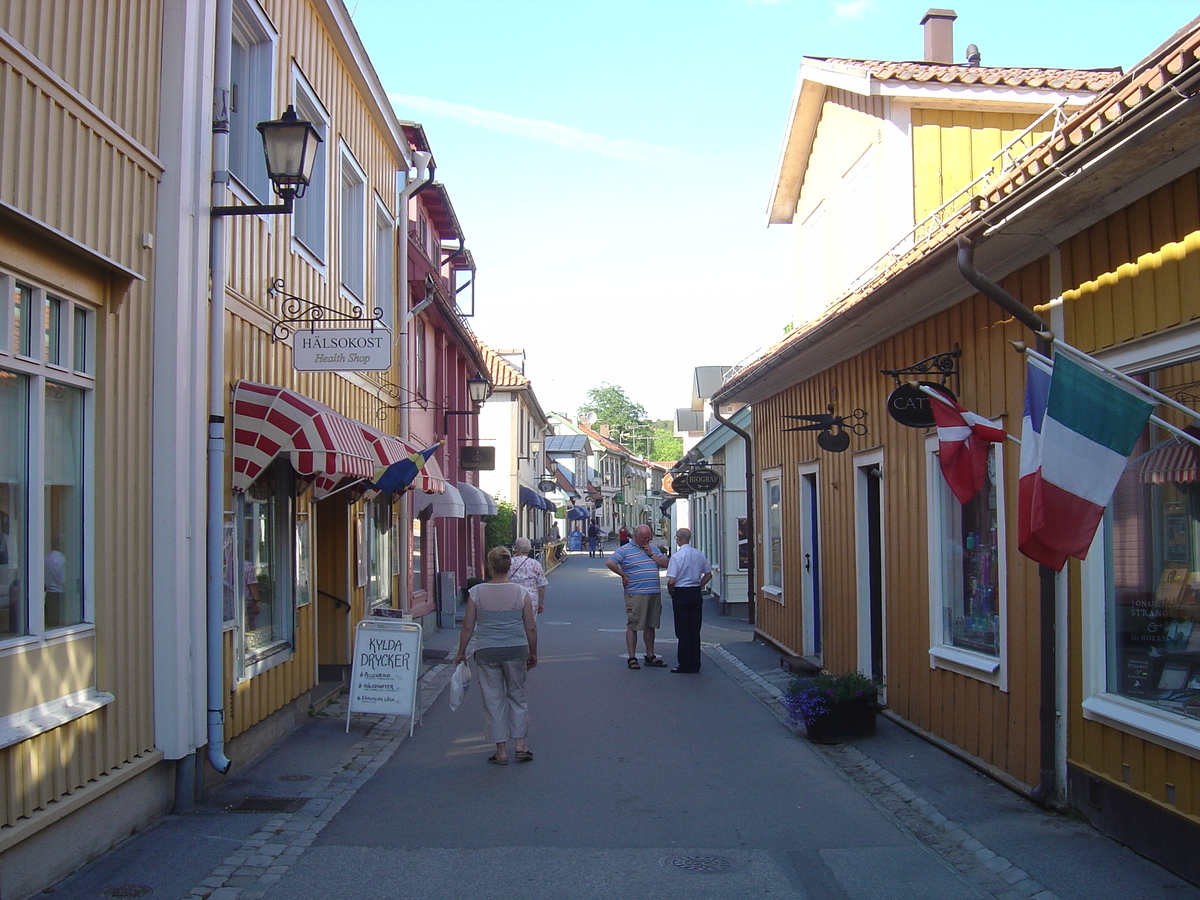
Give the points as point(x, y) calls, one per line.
point(610, 162)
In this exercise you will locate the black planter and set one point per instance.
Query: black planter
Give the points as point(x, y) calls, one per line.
point(844, 722)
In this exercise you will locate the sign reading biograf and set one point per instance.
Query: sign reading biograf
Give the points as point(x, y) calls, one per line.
point(342, 350)
point(387, 662)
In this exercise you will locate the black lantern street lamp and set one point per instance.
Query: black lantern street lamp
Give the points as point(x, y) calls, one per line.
point(290, 148)
point(478, 389)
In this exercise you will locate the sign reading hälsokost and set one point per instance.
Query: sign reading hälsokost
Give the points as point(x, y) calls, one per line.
point(342, 350)
point(385, 668)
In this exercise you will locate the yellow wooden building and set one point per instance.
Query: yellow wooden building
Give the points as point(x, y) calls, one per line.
point(1063, 688)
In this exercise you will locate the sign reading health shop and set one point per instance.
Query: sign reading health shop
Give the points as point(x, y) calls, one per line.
point(342, 350)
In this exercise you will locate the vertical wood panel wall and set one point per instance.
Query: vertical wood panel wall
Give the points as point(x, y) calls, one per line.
point(260, 251)
point(982, 719)
point(79, 143)
point(1133, 274)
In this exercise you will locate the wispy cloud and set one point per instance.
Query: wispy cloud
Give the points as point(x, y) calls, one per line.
point(851, 9)
point(533, 129)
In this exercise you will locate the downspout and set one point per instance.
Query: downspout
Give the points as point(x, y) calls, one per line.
point(1047, 600)
point(750, 595)
point(413, 185)
point(215, 602)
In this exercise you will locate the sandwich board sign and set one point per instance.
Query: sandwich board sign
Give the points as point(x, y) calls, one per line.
point(385, 668)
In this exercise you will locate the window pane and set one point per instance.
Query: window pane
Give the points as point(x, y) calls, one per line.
point(1154, 529)
point(303, 576)
point(970, 574)
point(81, 363)
point(22, 330)
point(54, 328)
point(64, 509)
point(267, 531)
point(379, 531)
point(774, 535)
point(14, 525)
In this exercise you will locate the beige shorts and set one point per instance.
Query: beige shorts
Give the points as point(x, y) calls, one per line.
point(643, 611)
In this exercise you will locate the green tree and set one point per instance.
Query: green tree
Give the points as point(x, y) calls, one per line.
point(500, 530)
point(665, 447)
point(611, 406)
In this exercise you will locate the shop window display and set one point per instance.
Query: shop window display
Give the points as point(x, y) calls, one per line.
point(970, 598)
point(1154, 531)
point(266, 535)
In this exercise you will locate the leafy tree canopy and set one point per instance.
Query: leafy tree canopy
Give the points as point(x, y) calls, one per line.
point(629, 424)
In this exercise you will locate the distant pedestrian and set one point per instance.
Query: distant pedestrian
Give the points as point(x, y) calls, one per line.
point(638, 563)
point(622, 536)
point(527, 572)
point(593, 534)
point(500, 616)
point(687, 574)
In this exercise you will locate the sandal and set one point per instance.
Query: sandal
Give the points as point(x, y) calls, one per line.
point(524, 756)
point(656, 662)
point(633, 663)
point(497, 762)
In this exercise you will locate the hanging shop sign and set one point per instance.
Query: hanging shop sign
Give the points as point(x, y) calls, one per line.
point(342, 350)
point(546, 486)
point(703, 479)
point(911, 406)
point(680, 484)
point(476, 459)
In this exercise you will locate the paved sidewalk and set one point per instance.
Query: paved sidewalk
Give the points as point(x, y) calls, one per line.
point(998, 843)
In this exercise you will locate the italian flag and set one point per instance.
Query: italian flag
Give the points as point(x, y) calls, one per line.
point(1075, 444)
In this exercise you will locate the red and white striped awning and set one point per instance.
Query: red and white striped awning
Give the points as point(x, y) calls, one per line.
point(431, 480)
point(321, 443)
point(1172, 462)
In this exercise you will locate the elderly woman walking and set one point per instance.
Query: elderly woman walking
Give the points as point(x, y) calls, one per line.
point(527, 572)
point(501, 617)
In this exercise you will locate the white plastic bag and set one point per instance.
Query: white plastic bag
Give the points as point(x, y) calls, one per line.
point(459, 682)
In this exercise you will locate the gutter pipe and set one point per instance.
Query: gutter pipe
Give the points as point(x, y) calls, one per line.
point(214, 538)
point(1047, 595)
point(751, 612)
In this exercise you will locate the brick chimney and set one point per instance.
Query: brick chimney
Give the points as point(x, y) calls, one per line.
point(939, 36)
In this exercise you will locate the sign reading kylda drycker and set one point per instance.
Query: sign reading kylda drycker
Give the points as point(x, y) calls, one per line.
point(383, 675)
point(342, 350)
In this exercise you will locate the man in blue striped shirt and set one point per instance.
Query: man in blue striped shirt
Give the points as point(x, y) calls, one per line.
point(638, 563)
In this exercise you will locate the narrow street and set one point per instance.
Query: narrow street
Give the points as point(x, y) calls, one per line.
point(644, 784)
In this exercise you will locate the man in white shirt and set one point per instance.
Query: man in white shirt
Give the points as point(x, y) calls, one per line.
point(687, 574)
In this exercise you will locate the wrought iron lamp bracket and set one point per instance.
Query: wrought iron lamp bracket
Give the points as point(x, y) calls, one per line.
point(299, 311)
point(386, 388)
point(940, 365)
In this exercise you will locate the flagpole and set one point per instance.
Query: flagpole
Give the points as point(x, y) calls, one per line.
point(932, 393)
point(1021, 347)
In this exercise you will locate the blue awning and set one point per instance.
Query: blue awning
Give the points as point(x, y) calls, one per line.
point(578, 512)
point(529, 497)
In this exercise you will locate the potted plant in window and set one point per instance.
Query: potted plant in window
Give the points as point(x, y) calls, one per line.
point(834, 708)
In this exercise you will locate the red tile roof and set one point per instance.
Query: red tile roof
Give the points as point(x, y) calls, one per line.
point(991, 76)
point(500, 370)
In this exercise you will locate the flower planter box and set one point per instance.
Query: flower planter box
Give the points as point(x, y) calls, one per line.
point(844, 722)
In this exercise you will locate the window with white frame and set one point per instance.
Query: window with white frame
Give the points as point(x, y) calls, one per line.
point(385, 263)
point(265, 538)
point(967, 570)
point(352, 225)
point(250, 97)
point(772, 533)
point(378, 551)
point(46, 382)
point(310, 212)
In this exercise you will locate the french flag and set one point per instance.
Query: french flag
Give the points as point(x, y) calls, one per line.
point(1037, 393)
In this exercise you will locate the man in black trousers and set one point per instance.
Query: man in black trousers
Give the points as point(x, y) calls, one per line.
point(687, 574)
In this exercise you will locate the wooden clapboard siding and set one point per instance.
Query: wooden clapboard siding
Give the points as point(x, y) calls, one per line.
point(951, 148)
point(984, 720)
point(79, 90)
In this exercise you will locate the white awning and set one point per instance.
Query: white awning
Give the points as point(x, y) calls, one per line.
point(475, 501)
point(448, 505)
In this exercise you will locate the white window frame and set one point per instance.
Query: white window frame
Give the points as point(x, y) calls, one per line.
point(251, 100)
point(352, 226)
point(989, 669)
point(768, 587)
point(38, 370)
point(385, 263)
point(310, 219)
point(1158, 726)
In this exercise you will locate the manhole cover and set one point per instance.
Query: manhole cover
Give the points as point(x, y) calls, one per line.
point(269, 804)
point(706, 865)
point(125, 891)
point(295, 778)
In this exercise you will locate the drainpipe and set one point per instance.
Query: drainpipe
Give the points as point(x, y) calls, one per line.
point(1048, 706)
point(215, 596)
point(750, 596)
point(413, 185)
